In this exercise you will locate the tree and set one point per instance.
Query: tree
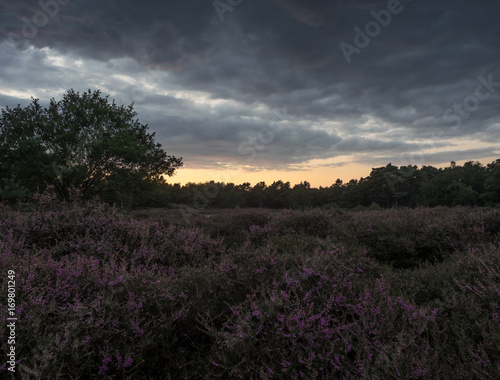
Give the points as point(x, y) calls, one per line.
point(352, 194)
point(258, 195)
point(278, 194)
point(427, 193)
point(405, 185)
point(381, 185)
point(84, 142)
point(231, 196)
point(301, 195)
point(492, 184)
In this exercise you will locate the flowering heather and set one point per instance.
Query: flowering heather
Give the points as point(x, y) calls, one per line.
point(252, 294)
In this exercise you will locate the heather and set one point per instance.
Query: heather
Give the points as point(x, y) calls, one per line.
point(252, 293)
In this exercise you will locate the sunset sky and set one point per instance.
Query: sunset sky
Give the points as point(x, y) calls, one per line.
point(261, 90)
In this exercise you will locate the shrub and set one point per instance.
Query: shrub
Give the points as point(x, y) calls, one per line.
point(252, 293)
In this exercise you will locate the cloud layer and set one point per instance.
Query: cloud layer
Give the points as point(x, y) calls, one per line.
point(266, 84)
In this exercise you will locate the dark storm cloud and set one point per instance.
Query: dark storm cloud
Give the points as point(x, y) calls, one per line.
point(437, 158)
point(418, 78)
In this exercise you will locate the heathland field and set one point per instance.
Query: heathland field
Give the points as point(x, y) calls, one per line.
point(251, 293)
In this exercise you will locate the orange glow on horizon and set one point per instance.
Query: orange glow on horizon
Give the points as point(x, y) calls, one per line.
point(324, 177)
point(317, 178)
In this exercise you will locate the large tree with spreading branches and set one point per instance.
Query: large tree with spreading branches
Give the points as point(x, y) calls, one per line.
point(83, 142)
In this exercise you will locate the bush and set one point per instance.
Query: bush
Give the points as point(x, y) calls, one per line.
point(252, 293)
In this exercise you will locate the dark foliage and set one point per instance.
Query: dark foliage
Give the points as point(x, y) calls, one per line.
point(386, 187)
point(316, 294)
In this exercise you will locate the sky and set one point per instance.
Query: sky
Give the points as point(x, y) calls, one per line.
point(266, 90)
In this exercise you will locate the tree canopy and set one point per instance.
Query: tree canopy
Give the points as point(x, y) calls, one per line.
point(472, 184)
point(82, 142)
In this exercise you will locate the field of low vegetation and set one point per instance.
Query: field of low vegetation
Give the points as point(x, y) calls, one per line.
point(251, 293)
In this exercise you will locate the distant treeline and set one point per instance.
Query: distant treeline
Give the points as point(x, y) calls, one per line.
point(472, 184)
